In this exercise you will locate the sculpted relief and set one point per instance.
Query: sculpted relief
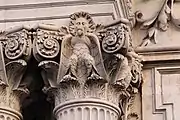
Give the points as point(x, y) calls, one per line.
point(81, 61)
point(163, 16)
point(92, 71)
point(81, 48)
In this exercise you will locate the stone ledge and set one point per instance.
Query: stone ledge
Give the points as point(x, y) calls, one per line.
point(151, 54)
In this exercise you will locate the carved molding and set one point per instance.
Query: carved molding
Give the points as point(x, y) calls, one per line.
point(163, 87)
point(119, 9)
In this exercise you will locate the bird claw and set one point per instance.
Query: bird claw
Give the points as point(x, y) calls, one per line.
point(120, 84)
point(68, 79)
point(96, 77)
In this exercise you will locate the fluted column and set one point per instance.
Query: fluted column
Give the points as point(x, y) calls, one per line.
point(87, 109)
point(10, 104)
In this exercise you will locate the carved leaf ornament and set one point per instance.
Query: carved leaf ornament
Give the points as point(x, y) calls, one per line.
point(157, 22)
point(77, 54)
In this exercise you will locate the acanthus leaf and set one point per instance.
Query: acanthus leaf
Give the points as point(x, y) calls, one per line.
point(154, 38)
point(151, 31)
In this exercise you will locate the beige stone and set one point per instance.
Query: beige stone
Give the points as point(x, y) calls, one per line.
point(151, 38)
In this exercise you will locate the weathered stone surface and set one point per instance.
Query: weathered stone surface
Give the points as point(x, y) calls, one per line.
point(160, 53)
point(88, 76)
point(56, 11)
point(80, 62)
point(155, 36)
point(162, 89)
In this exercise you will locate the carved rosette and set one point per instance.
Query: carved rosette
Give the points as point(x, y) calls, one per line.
point(15, 51)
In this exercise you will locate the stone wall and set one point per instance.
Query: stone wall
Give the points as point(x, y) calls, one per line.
point(158, 43)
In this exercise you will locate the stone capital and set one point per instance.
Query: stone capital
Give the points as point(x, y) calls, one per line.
point(98, 70)
point(15, 49)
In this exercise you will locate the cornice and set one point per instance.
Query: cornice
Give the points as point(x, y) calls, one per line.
point(53, 4)
point(122, 10)
point(159, 54)
point(52, 17)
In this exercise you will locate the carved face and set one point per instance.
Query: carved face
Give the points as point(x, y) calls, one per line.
point(81, 26)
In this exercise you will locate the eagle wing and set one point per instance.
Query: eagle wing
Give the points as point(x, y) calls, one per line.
point(66, 52)
point(95, 51)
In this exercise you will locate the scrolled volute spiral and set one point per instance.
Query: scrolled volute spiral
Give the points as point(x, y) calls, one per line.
point(18, 44)
point(46, 44)
point(115, 38)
